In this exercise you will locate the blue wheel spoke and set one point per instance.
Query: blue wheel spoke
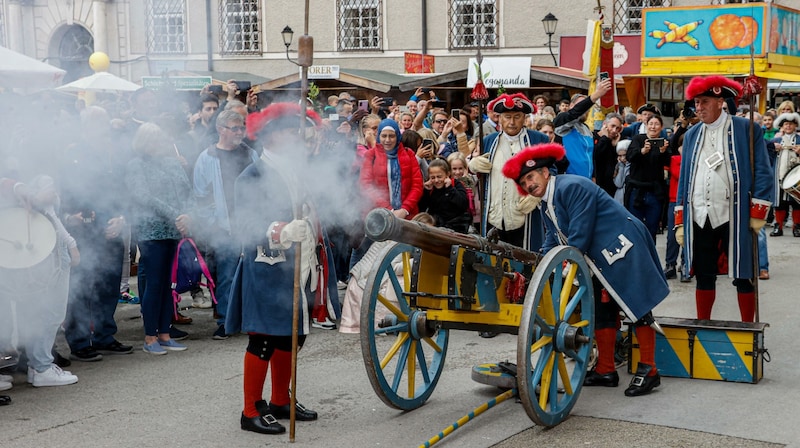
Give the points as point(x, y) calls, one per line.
point(555, 291)
point(401, 365)
point(398, 290)
point(546, 328)
point(575, 300)
point(422, 363)
point(403, 326)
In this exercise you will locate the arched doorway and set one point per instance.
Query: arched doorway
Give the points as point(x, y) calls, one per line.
point(70, 47)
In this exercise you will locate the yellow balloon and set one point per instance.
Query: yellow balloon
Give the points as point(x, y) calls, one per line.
point(99, 61)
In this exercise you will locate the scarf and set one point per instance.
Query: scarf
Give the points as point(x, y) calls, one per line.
point(394, 178)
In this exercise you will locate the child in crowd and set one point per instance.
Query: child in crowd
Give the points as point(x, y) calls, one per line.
point(458, 166)
point(621, 171)
point(445, 198)
point(351, 305)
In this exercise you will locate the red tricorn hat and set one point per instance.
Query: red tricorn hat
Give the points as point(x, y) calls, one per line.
point(278, 116)
point(713, 86)
point(512, 103)
point(531, 158)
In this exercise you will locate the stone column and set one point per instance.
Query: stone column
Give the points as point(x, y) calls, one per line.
point(100, 26)
point(15, 26)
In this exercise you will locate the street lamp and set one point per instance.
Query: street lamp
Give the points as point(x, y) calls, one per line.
point(287, 35)
point(550, 22)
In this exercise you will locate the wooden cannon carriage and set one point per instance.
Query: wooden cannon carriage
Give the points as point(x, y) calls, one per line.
point(431, 280)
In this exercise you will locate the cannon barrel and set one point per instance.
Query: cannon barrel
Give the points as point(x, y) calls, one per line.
point(381, 225)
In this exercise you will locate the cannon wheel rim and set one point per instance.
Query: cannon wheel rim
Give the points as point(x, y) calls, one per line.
point(384, 379)
point(539, 359)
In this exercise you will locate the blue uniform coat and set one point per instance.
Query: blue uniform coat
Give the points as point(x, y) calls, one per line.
point(261, 294)
point(740, 244)
point(619, 247)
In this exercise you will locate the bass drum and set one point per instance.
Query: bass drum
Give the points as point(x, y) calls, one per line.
point(28, 258)
point(791, 183)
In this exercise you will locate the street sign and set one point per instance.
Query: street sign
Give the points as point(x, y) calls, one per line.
point(176, 82)
point(323, 72)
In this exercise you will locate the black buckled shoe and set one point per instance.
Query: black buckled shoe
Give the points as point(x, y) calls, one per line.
point(264, 424)
point(282, 412)
point(777, 231)
point(796, 231)
point(641, 383)
point(601, 379)
point(671, 272)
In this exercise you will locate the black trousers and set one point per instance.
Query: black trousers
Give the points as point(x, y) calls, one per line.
point(708, 244)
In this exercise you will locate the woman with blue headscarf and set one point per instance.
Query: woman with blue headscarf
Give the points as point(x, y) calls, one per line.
point(390, 176)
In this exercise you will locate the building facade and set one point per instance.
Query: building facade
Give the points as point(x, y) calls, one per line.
point(149, 37)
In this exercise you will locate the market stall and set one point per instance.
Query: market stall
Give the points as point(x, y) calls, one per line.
point(682, 42)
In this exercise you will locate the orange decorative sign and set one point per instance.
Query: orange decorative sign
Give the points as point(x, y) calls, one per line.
point(419, 63)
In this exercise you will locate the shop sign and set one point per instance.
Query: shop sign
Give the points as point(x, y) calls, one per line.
point(511, 73)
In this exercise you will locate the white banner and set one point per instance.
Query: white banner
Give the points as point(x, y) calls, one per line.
point(511, 73)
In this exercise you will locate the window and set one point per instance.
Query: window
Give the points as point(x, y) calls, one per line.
point(240, 27)
point(473, 22)
point(359, 24)
point(628, 13)
point(166, 26)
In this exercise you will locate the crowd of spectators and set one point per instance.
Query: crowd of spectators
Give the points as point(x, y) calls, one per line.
point(128, 177)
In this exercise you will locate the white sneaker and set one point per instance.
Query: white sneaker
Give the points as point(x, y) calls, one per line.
point(199, 300)
point(7, 378)
point(5, 385)
point(341, 286)
point(53, 376)
point(324, 325)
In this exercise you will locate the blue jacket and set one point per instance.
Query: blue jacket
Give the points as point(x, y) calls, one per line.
point(740, 243)
point(261, 293)
point(596, 224)
point(212, 208)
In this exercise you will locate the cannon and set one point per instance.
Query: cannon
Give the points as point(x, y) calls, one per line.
point(428, 281)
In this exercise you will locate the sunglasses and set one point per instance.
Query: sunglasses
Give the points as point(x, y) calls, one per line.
point(440, 121)
point(236, 128)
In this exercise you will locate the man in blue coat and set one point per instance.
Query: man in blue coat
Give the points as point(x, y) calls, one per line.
point(273, 214)
point(617, 247)
point(723, 197)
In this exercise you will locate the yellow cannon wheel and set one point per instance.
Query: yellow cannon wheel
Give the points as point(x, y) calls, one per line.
point(403, 352)
point(555, 336)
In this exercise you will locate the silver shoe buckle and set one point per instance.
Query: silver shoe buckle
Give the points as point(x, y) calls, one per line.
point(637, 381)
point(269, 419)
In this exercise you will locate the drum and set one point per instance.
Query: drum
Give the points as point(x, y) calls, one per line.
point(791, 183)
point(27, 238)
point(29, 262)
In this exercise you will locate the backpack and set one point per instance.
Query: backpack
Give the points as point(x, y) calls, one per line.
point(188, 269)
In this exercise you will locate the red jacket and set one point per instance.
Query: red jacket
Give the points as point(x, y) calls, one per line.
point(374, 179)
point(674, 175)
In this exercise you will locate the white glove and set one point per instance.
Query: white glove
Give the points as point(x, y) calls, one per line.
point(756, 224)
point(679, 235)
point(296, 231)
point(527, 203)
point(481, 164)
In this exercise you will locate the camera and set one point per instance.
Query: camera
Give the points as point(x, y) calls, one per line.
point(363, 105)
point(688, 110)
point(215, 89)
point(242, 86)
point(656, 143)
point(428, 142)
point(456, 113)
point(426, 89)
point(387, 102)
point(604, 76)
point(437, 103)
